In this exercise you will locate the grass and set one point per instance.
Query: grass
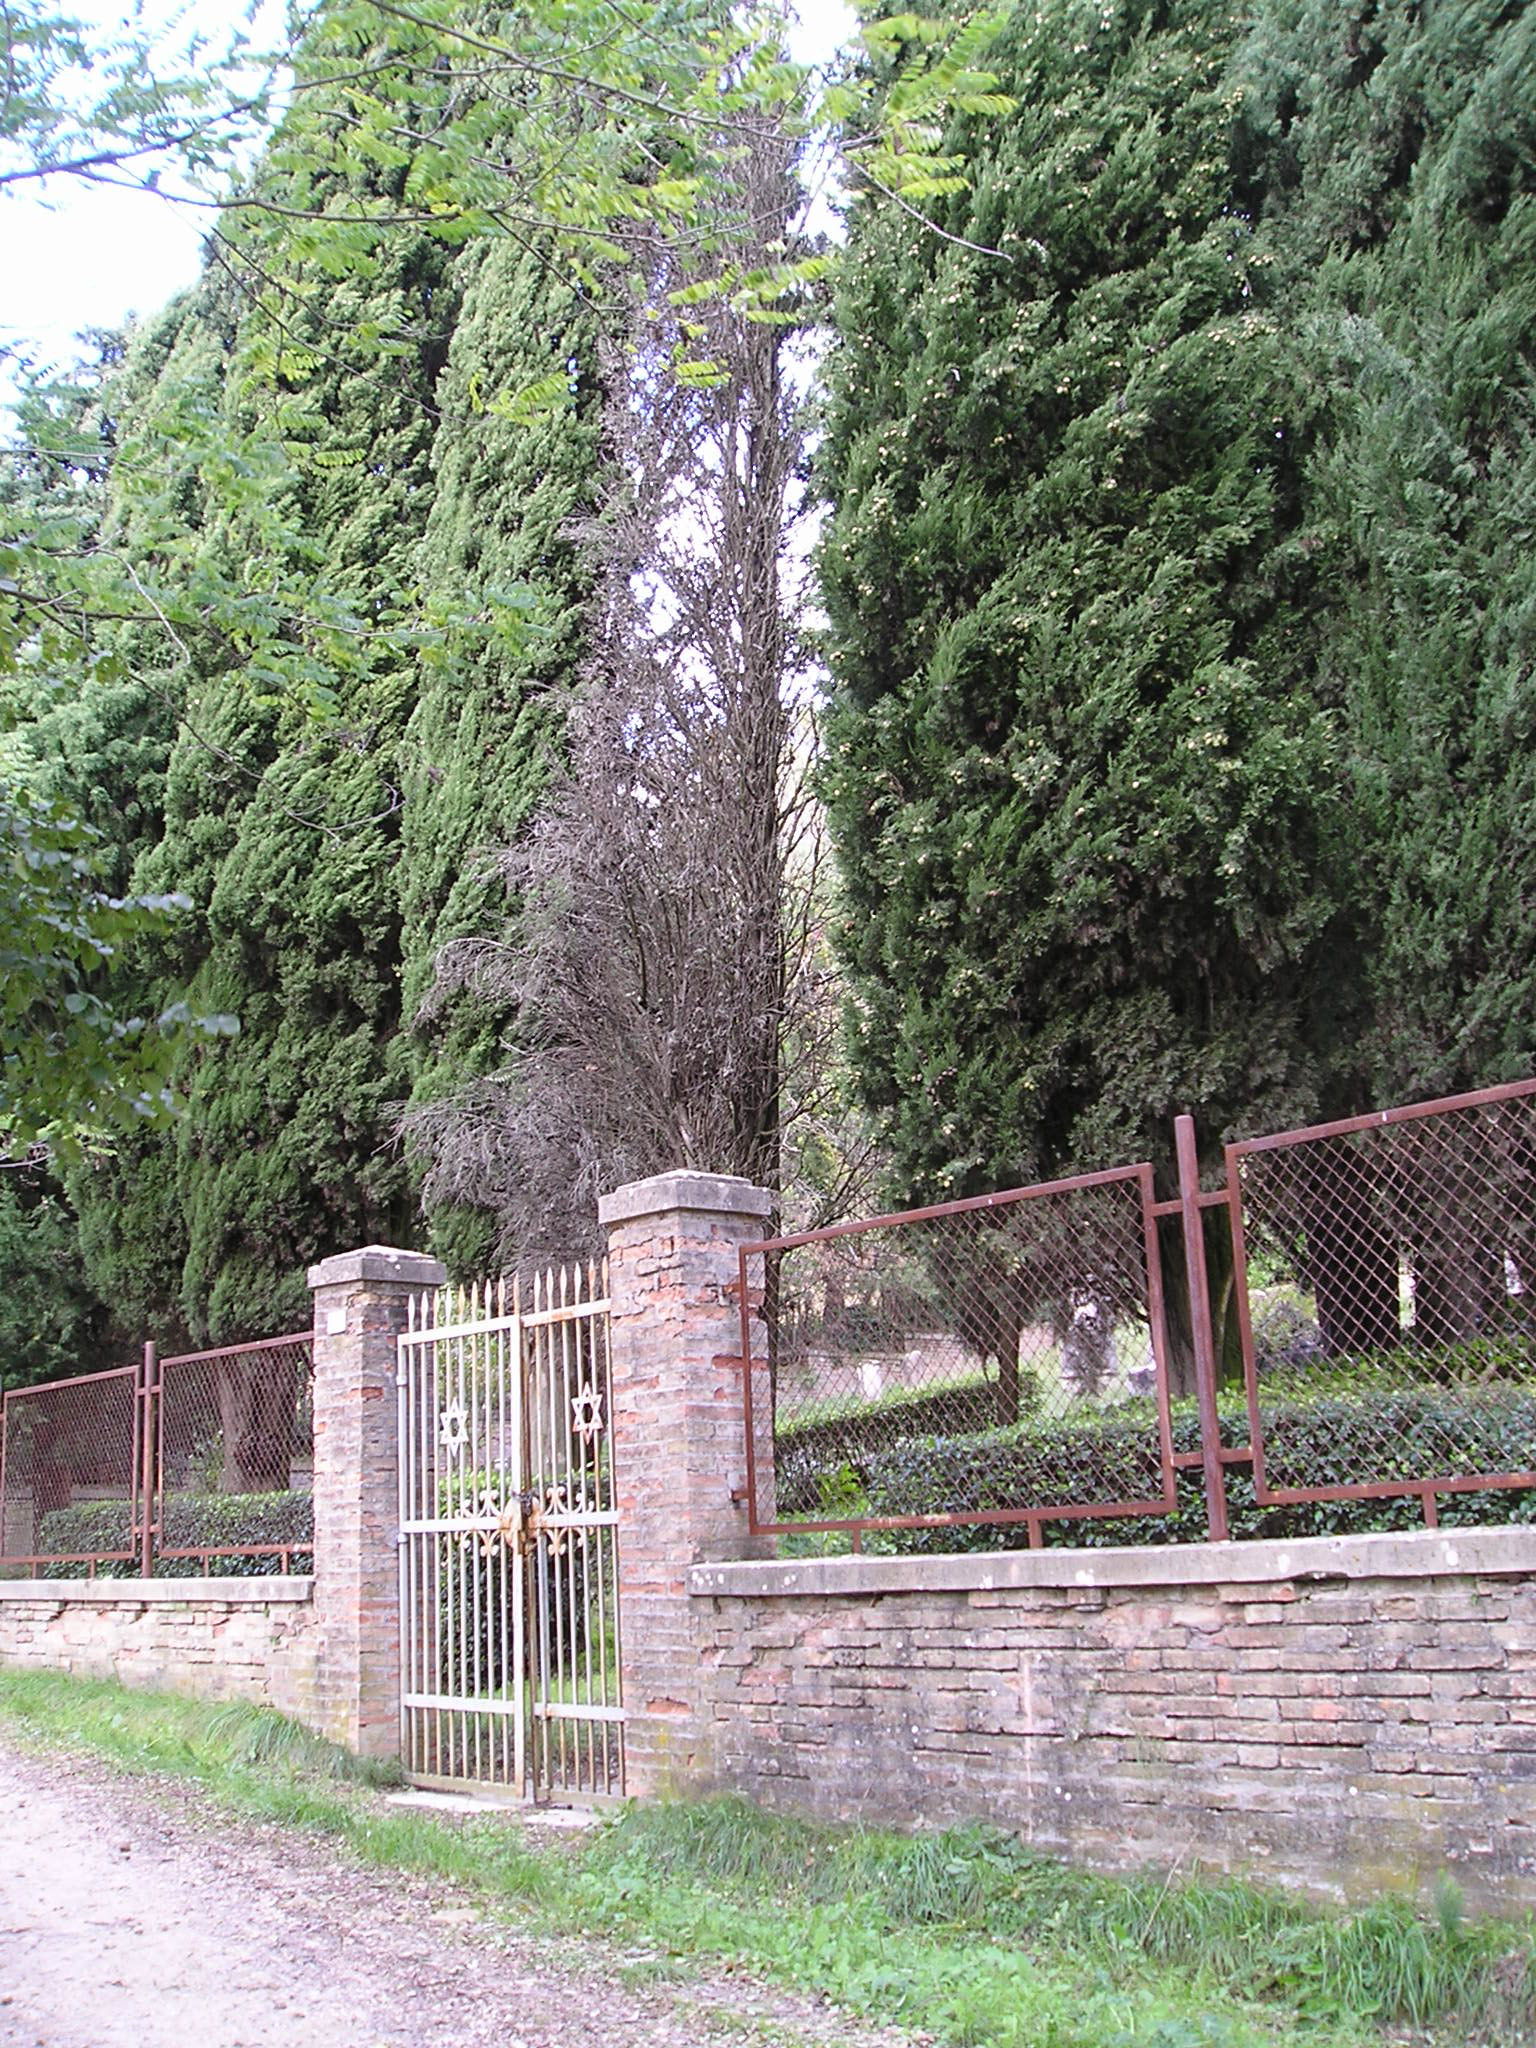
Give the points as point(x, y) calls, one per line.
point(964, 1935)
point(814, 1411)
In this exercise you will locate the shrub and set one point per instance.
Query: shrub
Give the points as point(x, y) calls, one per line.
point(1285, 1328)
point(1339, 1438)
point(92, 1528)
point(805, 1452)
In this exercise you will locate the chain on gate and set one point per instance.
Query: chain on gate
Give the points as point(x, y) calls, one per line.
point(508, 1532)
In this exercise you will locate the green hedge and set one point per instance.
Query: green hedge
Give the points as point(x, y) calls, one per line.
point(804, 1451)
point(1336, 1439)
point(95, 1527)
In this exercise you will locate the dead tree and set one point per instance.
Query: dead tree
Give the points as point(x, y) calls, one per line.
point(663, 939)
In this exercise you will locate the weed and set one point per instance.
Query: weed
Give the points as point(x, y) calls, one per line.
point(1381, 1964)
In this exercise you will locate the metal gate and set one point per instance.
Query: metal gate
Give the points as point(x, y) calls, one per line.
point(509, 1620)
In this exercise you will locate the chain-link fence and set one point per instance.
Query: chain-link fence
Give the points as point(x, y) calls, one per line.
point(1386, 1277)
point(182, 1466)
point(235, 1456)
point(71, 1456)
point(989, 1361)
point(1350, 1318)
point(1053, 1355)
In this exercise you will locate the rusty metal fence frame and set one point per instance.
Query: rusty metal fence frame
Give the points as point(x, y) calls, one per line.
point(300, 1342)
point(19, 1401)
point(1426, 1487)
point(1031, 1518)
point(1214, 1458)
point(143, 1482)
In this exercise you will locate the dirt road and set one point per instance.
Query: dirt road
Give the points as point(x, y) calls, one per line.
point(133, 1915)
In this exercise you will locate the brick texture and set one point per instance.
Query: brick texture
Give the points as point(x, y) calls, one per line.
point(1351, 1735)
point(360, 1301)
point(678, 1447)
point(203, 1646)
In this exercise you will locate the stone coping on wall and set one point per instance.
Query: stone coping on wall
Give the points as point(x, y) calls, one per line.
point(1427, 1553)
point(379, 1262)
point(694, 1194)
point(268, 1592)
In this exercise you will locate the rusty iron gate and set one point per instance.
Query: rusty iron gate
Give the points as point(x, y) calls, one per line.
point(508, 1541)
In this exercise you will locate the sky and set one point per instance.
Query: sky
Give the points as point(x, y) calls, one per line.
point(79, 256)
point(75, 255)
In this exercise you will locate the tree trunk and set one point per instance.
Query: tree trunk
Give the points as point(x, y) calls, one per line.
point(1179, 1328)
point(1351, 1261)
point(1006, 1336)
point(1457, 1293)
point(257, 1398)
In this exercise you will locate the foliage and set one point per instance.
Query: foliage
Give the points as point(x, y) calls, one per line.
point(504, 568)
point(91, 1529)
point(1178, 579)
point(1078, 772)
point(50, 1322)
point(280, 813)
point(277, 675)
point(655, 944)
point(1391, 157)
point(806, 1454)
point(1285, 1327)
point(71, 1067)
point(1406, 1433)
point(116, 106)
point(231, 1745)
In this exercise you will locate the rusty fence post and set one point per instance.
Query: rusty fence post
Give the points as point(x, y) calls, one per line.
point(146, 1463)
point(1192, 1213)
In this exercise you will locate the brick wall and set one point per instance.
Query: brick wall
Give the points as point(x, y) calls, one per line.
point(1351, 1715)
point(360, 1309)
point(678, 1447)
point(216, 1639)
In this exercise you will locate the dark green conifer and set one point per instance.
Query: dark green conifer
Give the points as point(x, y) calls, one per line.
point(1081, 775)
point(1392, 154)
point(515, 464)
point(286, 832)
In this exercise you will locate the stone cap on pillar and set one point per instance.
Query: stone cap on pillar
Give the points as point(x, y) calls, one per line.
point(697, 1194)
point(379, 1262)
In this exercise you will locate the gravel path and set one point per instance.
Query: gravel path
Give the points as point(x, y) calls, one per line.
point(133, 1914)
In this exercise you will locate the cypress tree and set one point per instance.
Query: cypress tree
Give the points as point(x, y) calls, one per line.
point(282, 826)
point(1082, 779)
point(287, 835)
point(514, 463)
point(50, 1322)
point(1392, 153)
point(310, 849)
point(100, 743)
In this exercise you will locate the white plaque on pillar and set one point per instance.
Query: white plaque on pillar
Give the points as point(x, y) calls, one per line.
point(335, 1321)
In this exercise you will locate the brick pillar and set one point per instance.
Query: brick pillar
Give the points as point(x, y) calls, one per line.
point(360, 1302)
point(679, 1455)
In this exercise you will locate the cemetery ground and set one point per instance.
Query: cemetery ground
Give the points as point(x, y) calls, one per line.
point(174, 1872)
